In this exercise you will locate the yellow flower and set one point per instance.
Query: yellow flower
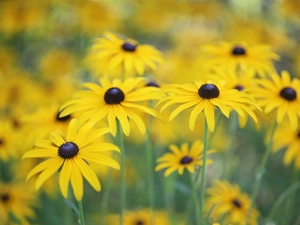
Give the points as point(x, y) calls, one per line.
point(232, 55)
point(230, 204)
point(70, 154)
point(8, 141)
point(182, 158)
point(18, 15)
point(140, 217)
point(57, 63)
point(116, 100)
point(281, 94)
point(113, 55)
point(242, 80)
point(18, 200)
point(204, 96)
point(289, 140)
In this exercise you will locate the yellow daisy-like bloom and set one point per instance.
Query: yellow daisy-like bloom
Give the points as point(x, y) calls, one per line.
point(232, 55)
point(288, 139)
point(8, 144)
point(45, 120)
point(70, 154)
point(18, 15)
point(114, 55)
point(140, 217)
point(57, 63)
point(182, 158)
point(116, 100)
point(242, 80)
point(17, 199)
point(230, 204)
point(204, 96)
point(280, 93)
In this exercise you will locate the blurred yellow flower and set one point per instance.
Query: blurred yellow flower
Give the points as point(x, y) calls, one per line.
point(232, 55)
point(18, 200)
point(113, 55)
point(288, 140)
point(56, 63)
point(280, 93)
point(182, 158)
point(18, 15)
point(230, 204)
point(140, 217)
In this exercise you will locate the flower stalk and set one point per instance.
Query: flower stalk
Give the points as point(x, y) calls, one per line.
point(261, 168)
point(122, 163)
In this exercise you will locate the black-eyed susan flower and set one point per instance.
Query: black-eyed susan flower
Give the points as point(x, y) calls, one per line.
point(140, 217)
point(230, 204)
point(227, 55)
point(8, 143)
point(289, 140)
point(70, 153)
point(17, 200)
point(45, 120)
point(111, 54)
point(114, 100)
point(242, 80)
point(203, 97)
point(182, 158)
point(280, 93)
point(16, 16)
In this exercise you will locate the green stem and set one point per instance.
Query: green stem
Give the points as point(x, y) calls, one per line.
point(233, 127)
point(106, 196)
point(150, 171)
point(281, 198)
point(261, 168)
point(195, 199)
point(81, 217)
point(123, 187)
point(203, 172)
point(290, 201)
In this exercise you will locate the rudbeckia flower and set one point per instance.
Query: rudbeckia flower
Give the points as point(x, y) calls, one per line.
point(289, 140)
point(140, 217)
point(204, 96)
point(70, 154)
point(230, 204)
point(111, 54)
point(17, 200)
point(116, 100)
point(182, 158)
point(281, 94)
point(227, 55)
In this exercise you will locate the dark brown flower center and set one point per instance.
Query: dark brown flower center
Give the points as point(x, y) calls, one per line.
point(4, 197)
point(152, 84)
point(186, 160)
point(128, 47)
point(288, 93)
point(139, 222)
point(62, 119)
point(68, 150)
point(237, 203)
point(238, 50)
point(208, 91)
point(114, 96)
point(1, 141)
point(239, 87)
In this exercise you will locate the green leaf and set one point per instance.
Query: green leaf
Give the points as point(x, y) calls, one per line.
point(73, 208)
point(209, 213)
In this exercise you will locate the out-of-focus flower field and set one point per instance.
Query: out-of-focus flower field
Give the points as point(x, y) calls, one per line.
point(135, 112)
